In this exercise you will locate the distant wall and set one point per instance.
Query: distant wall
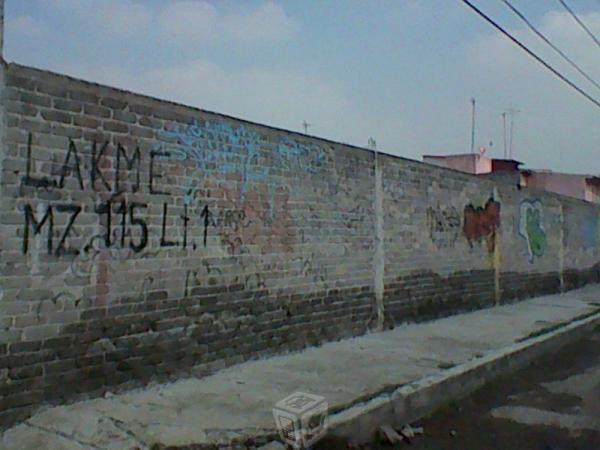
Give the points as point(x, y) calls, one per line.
point(560, 183)
point(140, 238)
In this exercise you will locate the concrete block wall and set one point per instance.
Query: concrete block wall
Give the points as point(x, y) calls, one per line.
point(431, 268)
point(141, 239)
point(581, 243)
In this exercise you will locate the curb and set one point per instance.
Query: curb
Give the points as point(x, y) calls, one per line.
point(417, 399)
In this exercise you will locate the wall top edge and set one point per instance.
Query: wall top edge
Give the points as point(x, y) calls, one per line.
point(37, 73)
point(34, 72)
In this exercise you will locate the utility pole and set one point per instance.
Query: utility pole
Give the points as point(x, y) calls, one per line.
point(512, 113)
point(504, 134)
point(473, 126)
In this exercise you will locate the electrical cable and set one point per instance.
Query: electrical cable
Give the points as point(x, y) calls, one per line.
point(531, 53)
point(547, 41)
point(580, 22)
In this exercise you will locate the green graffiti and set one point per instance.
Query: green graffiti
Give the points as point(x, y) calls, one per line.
point(531, 228)
point(537, 237)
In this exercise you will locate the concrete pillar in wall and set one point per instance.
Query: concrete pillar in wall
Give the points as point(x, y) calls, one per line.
point(561, 249)
point(379, 257)
point(497, 256)
point(2, 75)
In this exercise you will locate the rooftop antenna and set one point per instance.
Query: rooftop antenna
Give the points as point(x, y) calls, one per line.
point(305, 125)
point(504, 133)
point(511, 113)
point(473, 125)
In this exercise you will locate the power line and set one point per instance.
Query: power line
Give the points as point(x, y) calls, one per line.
point(581, 24)
point(531, 53)
point(547, 41)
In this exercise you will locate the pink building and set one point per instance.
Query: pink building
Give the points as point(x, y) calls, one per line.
point(584, 187)
point(467, 162)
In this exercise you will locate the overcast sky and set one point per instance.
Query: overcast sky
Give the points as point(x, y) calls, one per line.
point(401, 71)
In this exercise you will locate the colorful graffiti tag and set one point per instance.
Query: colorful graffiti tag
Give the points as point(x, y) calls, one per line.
point(531, 227)
point(482, 223)
point(237, 150)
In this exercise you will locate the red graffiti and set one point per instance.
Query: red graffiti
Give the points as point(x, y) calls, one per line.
point(482, 223)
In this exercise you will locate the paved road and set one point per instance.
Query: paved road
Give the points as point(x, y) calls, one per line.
point(554, 404)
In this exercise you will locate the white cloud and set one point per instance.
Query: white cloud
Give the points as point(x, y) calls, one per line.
point(183, 22)
point(194, 22)
point(267, 23)
point(189, 20)
point(123, 19)
point(562, 24)
point(496, 53)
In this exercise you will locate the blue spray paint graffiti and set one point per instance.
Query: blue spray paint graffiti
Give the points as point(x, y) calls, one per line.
point(212, 142)
point(306, 157)
point(219, 146)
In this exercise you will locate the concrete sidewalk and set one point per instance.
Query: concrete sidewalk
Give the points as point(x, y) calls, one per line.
point(236, 403)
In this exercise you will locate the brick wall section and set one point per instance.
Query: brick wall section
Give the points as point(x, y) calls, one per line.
point(141, 239)
point(581, 236)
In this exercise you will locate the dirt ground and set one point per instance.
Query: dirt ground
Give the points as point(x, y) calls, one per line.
point(553, 404)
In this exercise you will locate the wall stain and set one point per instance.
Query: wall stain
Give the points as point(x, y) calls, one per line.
point(482, 223)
